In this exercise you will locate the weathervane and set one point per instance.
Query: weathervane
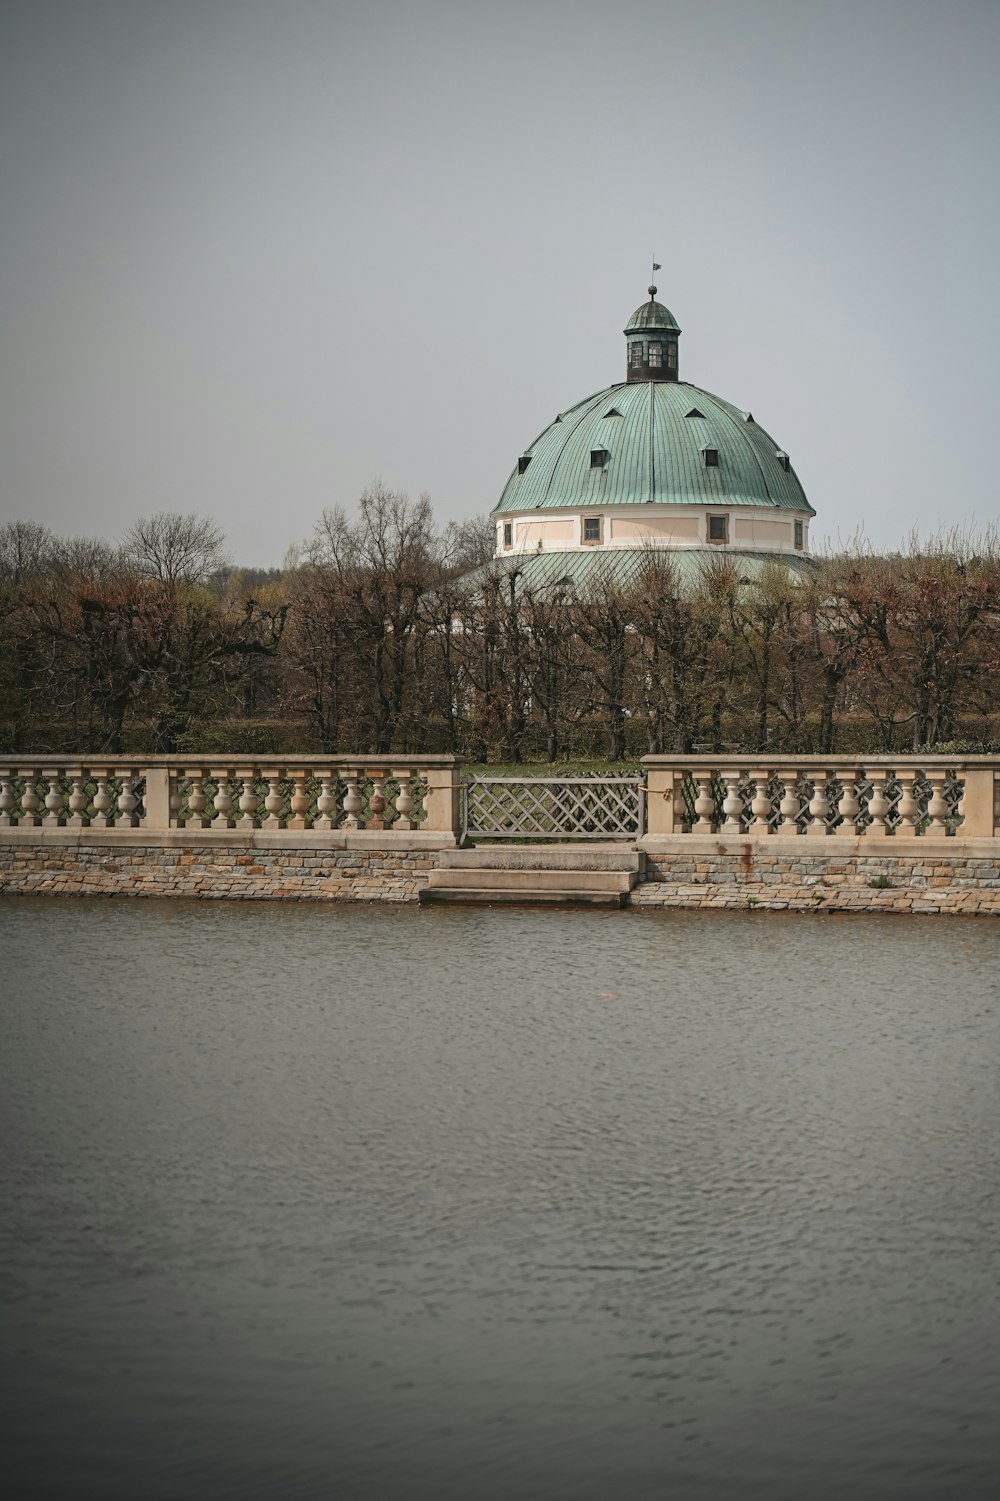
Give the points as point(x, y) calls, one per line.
point(652, 288)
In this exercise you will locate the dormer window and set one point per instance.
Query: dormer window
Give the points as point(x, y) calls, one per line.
point(694, 412)
point(655, 356)
point(508, 534)
point(711, 456)
point(523, 462)
point(598, 458)
point(784, 460)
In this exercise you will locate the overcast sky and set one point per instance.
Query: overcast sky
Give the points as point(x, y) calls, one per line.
point(256, 253)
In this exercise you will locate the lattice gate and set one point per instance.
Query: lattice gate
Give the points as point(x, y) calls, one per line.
point(553, 807)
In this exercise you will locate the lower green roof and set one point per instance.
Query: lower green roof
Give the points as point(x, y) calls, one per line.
point(575, 572)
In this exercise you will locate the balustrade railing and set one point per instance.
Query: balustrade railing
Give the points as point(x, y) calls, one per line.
point(403, 795)
point(745, 797)
point(812, 796)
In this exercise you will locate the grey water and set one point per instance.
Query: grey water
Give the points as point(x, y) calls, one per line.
point(347, 1202)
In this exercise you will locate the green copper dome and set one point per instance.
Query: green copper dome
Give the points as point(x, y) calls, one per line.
point(651, 315)
point(653, 442)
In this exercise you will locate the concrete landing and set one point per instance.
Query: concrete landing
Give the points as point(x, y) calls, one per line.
point(591, 875)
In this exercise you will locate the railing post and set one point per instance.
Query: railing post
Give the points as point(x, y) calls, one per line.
point(819, 804)
point(248, 802)
point(937, 806)
point(8, 801)
point(879, 805)
point(30, 802)
point(222, 802)
point(759, 823)
point(298, 803)
point(441, 800)
point(908, 806)
point(326, 802)
point(156, 800)
point(352, 797)
point(197, 800)
point(404, 799)
point(704, 803)
point(732, 802)
point(848, 804)
point(976, 806)
point(78, 799)
point(376, 800)
point(790, 805)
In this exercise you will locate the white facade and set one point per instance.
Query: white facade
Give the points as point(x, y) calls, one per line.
point(737, 528)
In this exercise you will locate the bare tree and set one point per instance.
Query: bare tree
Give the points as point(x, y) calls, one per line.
point(384, 562)
point(175, 549)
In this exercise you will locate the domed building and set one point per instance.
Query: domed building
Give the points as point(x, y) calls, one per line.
point(651, 462)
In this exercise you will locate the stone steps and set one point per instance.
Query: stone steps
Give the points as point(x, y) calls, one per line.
point(522, 895)
point(591, 876)
point(542, 857)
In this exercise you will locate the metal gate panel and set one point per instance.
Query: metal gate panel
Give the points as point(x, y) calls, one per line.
point(553, 807)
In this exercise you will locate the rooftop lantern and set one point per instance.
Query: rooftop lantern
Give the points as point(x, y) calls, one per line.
point(651, 336)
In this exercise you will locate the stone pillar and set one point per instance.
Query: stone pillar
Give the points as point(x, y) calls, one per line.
point(156, 800)
point(661, 815)
point(441, 800)
point(977, 805)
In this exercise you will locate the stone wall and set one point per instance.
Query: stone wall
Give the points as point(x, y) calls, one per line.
point(825, 875)
point(799, 874)
point(213, 868)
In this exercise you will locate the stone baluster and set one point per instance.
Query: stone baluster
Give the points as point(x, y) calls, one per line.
point(848, 804)
point(127, 802)
point(879, 805)
point(249, 802)
point(326, 802)
point(937, 806)
point(274, 802)
point(54, 801)
point(222, 802)
point(30, 803)
point(174, 800)
point(819, 805)
point(732, 802)
point(299, 801)
point(908, 806)
point(404, 800)
point(704, 802)
point(79, 801)
point(197, 800)
point(790, 805)
point(376, 802)
point(8, 801)
point(102, 800)
point(760, 804)
point(352, 798)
